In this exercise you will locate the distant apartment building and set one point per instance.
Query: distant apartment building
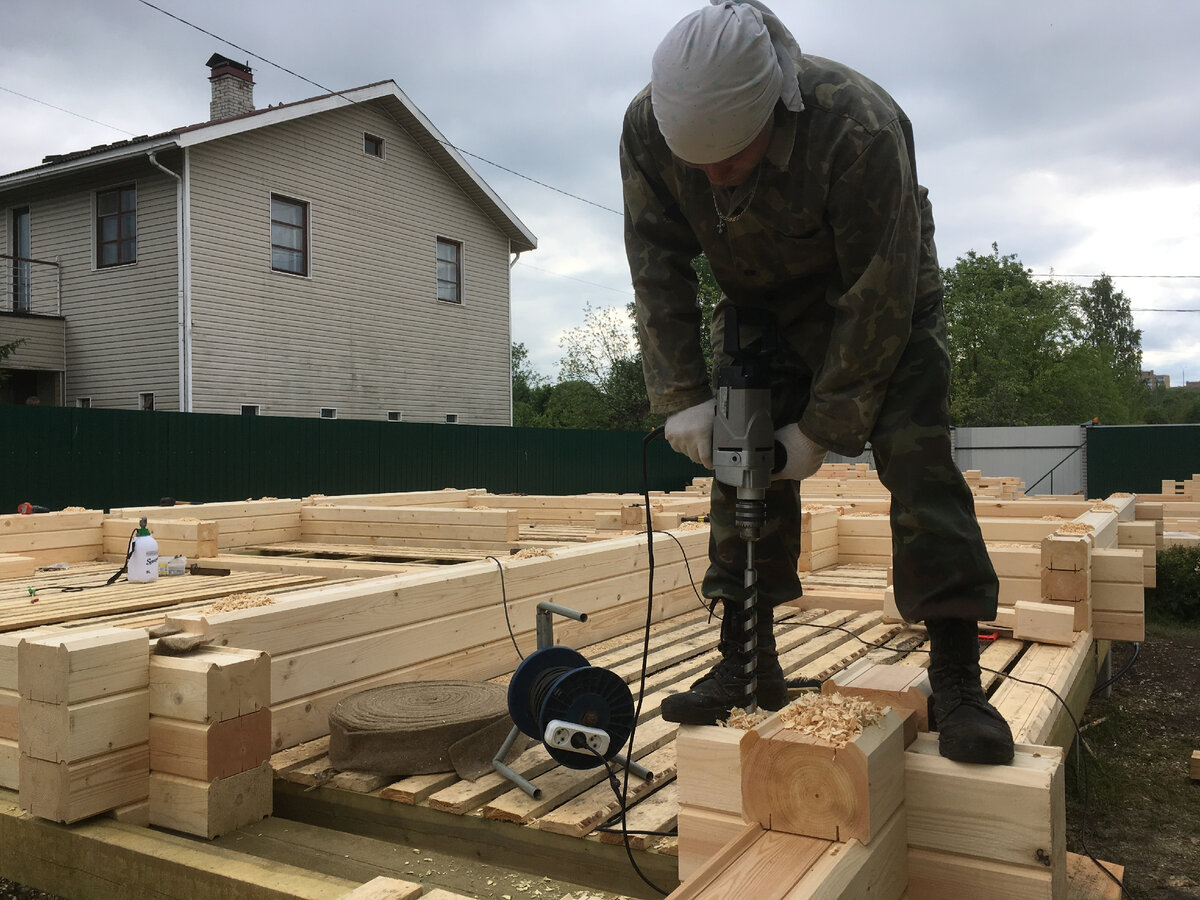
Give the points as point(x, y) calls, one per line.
point(1151, 380)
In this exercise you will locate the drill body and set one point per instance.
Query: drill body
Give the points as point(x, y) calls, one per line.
point(743, 457)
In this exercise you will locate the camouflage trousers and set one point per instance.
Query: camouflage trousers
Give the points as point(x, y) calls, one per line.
point(940, 565)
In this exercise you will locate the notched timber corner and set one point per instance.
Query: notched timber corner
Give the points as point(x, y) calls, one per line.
point(211, 767)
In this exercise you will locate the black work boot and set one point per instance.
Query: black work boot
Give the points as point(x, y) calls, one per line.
point(969, 728)
point(724, 687)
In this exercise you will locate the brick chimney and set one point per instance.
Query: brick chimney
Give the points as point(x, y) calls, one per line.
point(232, 88)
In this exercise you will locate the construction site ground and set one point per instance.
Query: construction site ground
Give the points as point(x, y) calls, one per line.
point(1142, 809)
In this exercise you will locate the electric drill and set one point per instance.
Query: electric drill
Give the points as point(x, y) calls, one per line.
point(744, 455)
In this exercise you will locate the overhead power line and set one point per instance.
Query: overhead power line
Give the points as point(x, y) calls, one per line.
point(67, 111)
point(330, 90)
point(1102, 275)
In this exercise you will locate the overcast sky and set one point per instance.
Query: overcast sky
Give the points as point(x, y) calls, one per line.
point(1066, 132)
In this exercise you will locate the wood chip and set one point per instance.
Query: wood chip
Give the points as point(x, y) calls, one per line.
point(835, 718)
point(530, 552)
point(240, 601)
point(1076, 528)
point(739, 718)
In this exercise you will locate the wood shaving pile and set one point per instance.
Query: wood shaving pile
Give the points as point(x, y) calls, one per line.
point(1052, 518)
point(742, 720)
point(1121, 494)
point(1076, 528)
point(531, 552)
point(692, 526)
point(861, 515)
point(74, 509)
point(240, 601)
point(1104, 507)
point(836, 718)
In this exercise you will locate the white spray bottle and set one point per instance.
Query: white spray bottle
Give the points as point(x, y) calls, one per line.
point(143, 557)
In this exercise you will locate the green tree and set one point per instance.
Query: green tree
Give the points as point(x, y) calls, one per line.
point(7, 350)
point(1026, 352)
point(576, 404)
point(1108, 318)
point(530, 390)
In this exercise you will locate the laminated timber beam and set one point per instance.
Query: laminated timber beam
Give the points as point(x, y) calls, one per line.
point(108, 859)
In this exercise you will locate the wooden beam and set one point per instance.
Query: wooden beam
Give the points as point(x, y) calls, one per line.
point(1014, 814)
point(804, 785)
point(208, 809)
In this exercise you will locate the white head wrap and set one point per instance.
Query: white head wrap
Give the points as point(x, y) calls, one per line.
point(716, 77)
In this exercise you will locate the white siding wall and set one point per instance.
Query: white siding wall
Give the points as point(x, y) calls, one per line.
point(121, 321)
point(44, 346)
point(365, 332)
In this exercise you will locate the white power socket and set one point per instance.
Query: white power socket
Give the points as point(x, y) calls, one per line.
point(576, 738)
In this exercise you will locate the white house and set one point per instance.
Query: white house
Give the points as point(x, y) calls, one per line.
point(332, 257)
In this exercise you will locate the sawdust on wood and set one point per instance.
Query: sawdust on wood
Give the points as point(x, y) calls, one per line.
point(1104, 507)
point(692, 526)
point(1076, 528)
point(1053, 518)
point(742, 720)
point(835, 718)
point(74, 509)
point(1121, 494)
point(530, 553)
point(240, 601)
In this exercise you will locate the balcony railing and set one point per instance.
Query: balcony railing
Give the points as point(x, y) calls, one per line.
point(31, 286)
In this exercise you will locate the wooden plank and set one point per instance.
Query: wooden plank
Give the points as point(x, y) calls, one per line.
point(210, 751)
point(383, 887)
point(83, 665)
point(208, 809)
point(1013, 814)
point(67, 792)
point(1046, 623)
point(656, 813)
point(62, 732)
point(81, 861)
point(323, 615)
point(210, 685)
point(802, 785)
point(561, 783)
point(933, 875)
point(766, 869)
point(878, 870)
point(10, 764)
point(710, 760)
point(1086, 882)
point(580, 815)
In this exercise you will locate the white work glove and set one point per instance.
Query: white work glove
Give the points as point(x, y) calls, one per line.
point(690, 432)
point(801, 455)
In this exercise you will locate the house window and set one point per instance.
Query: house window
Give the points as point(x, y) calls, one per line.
point(22, 249)
point(146, 400)
point(250, 409)
point(395, 415)
point(451, 418)
point(116, 227)
point(328, 412)
point(289, 235)
point(83, 402)
point(373, 146)
point(449, 270)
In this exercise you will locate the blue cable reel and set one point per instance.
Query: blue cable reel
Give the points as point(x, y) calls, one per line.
point(582, 714)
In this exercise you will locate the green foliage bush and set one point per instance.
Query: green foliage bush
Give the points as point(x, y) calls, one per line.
point(1177, 595)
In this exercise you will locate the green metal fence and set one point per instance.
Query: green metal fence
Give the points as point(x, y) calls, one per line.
point(97, 458)
point(1138, 458)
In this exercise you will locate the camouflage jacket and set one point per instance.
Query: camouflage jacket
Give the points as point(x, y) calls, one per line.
point(836, 240)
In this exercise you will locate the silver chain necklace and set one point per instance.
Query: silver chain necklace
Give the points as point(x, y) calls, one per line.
point(724, 219)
